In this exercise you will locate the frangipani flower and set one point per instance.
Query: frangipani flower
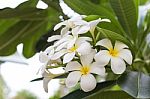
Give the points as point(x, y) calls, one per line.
point(117, 55)
point(72, 24)
point(88, 26)
point(80, 48)
point(71, 45)
point(46, 55)
point(45, 58)
point(84, 72)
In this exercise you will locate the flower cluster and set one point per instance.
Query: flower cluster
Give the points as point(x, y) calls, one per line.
point(74, 50)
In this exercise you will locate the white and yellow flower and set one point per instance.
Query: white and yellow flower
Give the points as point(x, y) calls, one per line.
point(76, 23)
point(71, 47)
point(84, 72)
point(117, 55)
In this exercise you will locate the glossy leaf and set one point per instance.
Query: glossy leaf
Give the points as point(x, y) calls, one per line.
point(110, 95)
point(126, 12)
point(79, 94)
point(136, 84)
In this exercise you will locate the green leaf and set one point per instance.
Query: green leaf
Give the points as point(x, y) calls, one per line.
point(86, 7)
point(24, 24)
point(29, 13)
point(110, 95)
point(126, 12)
point(78, 94)
point(114, 36)
point(30, 41)
point(136, 84)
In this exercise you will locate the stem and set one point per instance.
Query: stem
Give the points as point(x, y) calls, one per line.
point(93, 36)
point(97, 36)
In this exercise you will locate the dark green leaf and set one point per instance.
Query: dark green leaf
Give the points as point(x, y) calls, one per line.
point(78, 94)
point(126, 11)
point(136, 84)
point(37, 79)
point(110, 95)
point(87, 8)
point(29, 13)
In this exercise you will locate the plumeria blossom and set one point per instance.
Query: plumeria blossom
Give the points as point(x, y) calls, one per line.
point(78, 25)
point(117, 55)
point(77, 46)
point(72, 45)
point(45, 57)
point(72, 24)
point(84, 72)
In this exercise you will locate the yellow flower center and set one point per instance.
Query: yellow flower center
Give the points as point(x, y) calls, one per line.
point(73, 49)
point(113, 52)
point(85, 70)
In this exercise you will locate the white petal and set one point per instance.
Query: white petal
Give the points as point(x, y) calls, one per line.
point(50, 50)
point(64, 30)
point(84, 48)
point(68, 57)
point(126, 55)
point(82, 39)
point(88, 82)
point(119, 45)
point(53, 38)
point(64, 39)
point(105, 43)
point(61, 46)
point(97, 69)
point(73, 66)
point(105, 20)
point(59, 54)
point(45, 83)
point(43, 57)
point(117, 65)
point(93, 25)
point(57, 26)
point(71, 43)
point(83, 29)
point(80, 22)
point(75, 30)
point(73, 79)
point(102, 57)
point(87, 59)
point(76, 18)
point(47, 77)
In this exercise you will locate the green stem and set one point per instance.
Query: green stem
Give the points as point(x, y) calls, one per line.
point(93, 36)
